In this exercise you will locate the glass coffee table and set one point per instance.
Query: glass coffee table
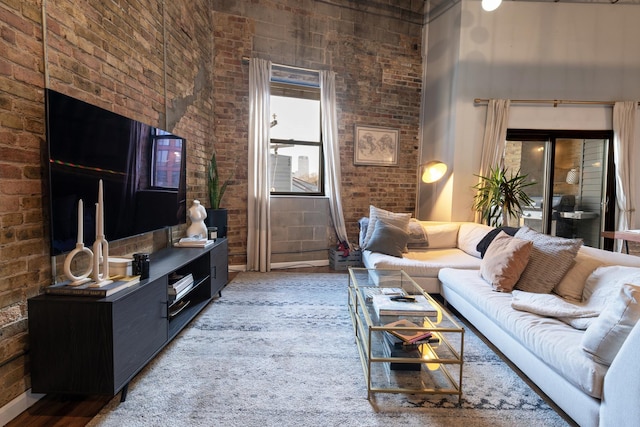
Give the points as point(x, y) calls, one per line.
point(423, 353)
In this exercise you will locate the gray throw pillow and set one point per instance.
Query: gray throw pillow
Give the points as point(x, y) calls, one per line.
point(551, 258)
point(388, 239)
point(400, 220)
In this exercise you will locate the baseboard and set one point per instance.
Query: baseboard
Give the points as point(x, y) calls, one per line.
point(285, 265)
point(300, 264)
point(237, 268)
point(18, 405)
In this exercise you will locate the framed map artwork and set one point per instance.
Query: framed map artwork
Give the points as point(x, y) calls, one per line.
point(376, 146)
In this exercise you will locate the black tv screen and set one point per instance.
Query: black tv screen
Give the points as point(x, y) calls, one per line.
point(143, 170)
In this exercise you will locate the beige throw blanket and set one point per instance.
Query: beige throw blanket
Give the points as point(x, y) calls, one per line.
point(578, 315)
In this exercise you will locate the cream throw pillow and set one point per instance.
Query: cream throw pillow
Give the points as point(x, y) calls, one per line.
point(606, 280)
point(442, 236)
point(551, 258)
point(504, 261)
point(572, 284)
point(400, 220)
point(417, 235)
point(604, 337)
point(469, 235)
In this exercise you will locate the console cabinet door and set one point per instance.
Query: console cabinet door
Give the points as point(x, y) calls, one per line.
point(140, 329)
point(70, 345)
point(219, 267)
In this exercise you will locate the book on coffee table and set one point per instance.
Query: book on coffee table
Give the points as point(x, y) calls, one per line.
point(409, 337)
point(386, 305)
point(400, 344)
point(402, 352)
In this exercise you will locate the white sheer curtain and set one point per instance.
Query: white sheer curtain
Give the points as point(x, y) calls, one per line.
point(258, 215)
point(495, 134)
point(624, 118)
point(331, 148)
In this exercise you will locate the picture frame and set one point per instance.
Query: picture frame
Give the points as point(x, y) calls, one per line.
point(376, 146)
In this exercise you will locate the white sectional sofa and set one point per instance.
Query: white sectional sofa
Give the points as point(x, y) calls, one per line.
point(544, 346)
point(446, 244)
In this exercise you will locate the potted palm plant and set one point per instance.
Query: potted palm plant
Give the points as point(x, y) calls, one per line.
point(217, 216)
point(500, 198)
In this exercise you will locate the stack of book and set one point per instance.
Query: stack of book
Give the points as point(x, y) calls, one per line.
point(369, 292)
point(92, 289)
point(193, 242)
point(405, 344)
point(179, 285)
point(416, 305)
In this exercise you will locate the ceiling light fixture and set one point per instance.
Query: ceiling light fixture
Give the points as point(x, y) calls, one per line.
point(490, 5)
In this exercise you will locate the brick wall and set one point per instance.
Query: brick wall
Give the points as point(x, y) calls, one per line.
point(377, 60)
point(146, 59)
point(24, 255)
point(152, 60)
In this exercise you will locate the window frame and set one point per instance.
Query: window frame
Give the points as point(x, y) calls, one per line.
point(155, 139)
point(288, 88)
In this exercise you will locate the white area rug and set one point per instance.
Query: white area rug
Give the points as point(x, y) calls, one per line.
point(277, 350)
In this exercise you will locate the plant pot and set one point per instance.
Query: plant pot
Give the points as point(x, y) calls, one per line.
point(217, 218)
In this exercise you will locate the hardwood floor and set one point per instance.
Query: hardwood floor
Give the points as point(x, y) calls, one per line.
point(54, 410)
point(71, 411)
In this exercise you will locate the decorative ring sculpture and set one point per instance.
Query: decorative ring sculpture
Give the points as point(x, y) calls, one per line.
point(79, 249)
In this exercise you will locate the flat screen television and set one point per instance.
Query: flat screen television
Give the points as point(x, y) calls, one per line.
point(143, 170)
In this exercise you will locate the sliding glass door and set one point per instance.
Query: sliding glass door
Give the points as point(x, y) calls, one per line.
point(571, 174)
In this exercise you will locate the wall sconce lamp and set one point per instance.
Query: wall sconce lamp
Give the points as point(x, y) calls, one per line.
point(573, 176)
point(433, 171)
point(491, 5)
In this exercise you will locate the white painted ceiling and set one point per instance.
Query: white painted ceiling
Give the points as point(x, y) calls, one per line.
point(435, 7)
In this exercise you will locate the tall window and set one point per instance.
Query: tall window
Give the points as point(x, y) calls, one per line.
point(295, 158)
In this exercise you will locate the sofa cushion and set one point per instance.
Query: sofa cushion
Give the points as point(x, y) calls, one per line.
point(607, 333)
point(551, 258)
point(442, 236)
point(552, 341)
point(572, 284)
point(484, 243)
point(400, 220)
point(605, 281)
point(422, 263)
point(504, 261)
point(388, 239)
point(469, 236)
point(417, 235)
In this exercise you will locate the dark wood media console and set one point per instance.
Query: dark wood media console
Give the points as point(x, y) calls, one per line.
point(95, 346)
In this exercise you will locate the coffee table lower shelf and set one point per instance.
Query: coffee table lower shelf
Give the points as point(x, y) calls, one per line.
point(422, 374)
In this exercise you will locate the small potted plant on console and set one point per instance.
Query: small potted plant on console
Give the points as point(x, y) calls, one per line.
point(217, 216)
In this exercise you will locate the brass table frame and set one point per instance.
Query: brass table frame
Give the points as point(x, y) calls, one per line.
point(440, 363)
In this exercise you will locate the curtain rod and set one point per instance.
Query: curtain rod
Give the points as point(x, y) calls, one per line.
point(246, 59)
point(555, 102)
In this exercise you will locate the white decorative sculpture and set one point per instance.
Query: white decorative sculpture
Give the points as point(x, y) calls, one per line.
point(79, 249)
point(100, 246)
point(197, 214)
